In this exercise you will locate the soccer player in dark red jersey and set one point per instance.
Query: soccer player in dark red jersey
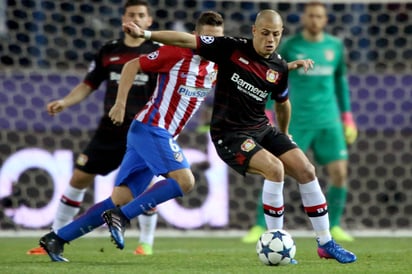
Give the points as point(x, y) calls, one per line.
point(251, 72)
point(107, 147)
point(322, 121)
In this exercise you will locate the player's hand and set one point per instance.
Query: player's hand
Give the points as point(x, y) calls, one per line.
point(133, 29)
point(116, 114)
point(305, 64)
point(349, 127)
point(55, 107)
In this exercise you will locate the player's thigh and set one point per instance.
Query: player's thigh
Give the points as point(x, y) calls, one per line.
point(268, 165)
point(276, 142)
point(160, 151)
point(81, 179)
point(297, 165)
point(134, 172)
point(330, 146)
point(236, 149)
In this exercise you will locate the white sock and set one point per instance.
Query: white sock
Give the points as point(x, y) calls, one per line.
point(147, 224)
point(69, 206)
point(272, 198)
point(316, 208)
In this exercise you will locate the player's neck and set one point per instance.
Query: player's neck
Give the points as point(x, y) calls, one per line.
point(133, 42)
point(312, 37)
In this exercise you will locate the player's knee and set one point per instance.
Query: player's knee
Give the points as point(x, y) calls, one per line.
point(185, 179)
point(187, 184)
point(273, 170)
point(307, 172)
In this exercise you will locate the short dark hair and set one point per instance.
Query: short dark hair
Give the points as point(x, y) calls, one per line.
point(210, 18)
point(130, 3)
point(315, 4)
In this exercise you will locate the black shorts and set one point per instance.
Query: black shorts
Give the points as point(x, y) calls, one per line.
point(237, 148)
point(105, 151)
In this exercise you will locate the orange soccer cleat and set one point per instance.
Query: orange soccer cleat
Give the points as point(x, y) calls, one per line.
point(36, 251)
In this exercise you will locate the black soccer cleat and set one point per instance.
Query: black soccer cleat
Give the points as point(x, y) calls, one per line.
point(54, 246)
point(116, 221)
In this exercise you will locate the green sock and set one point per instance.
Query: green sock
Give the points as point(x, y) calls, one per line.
point(336, 198)
point(260, 215)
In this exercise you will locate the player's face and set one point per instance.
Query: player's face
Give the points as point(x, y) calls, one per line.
point(266, 37)
point(139, 15)
point(314, 19)
point(209, 30)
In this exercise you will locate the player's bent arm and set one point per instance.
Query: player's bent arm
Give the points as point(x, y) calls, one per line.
point(76, 95)
point(305, 64)
point(283, 111)
point(129, 71)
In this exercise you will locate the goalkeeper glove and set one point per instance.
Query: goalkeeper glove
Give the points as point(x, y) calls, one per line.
point(349, 127)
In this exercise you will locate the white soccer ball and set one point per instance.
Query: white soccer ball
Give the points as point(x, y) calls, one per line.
point(276, 247)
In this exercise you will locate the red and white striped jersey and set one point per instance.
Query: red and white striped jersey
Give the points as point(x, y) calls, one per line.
point(184, 80)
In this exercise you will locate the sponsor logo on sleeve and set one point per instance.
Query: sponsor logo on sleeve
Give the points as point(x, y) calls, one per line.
point(153, 55)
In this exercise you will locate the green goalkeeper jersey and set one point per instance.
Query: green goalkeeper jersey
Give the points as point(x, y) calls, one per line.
point(319, 95)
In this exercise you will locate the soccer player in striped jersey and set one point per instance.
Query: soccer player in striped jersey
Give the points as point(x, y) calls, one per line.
point(184, 80)
point(251, 72)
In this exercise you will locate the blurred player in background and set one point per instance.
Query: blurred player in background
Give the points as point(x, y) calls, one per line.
point(184, 80)
point(105, 151)
point(321, 118)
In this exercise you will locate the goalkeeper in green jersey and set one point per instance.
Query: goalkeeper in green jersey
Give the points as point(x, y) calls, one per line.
point(321, 114)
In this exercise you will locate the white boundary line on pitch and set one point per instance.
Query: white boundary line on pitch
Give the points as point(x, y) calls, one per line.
point(174, 233)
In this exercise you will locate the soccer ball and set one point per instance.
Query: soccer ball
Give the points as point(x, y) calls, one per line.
point(276, 247)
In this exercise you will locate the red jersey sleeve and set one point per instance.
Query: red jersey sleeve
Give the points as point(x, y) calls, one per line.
point(161, 60)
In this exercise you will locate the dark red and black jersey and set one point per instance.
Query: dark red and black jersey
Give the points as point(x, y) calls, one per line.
point(245, 80)
point(107, 66)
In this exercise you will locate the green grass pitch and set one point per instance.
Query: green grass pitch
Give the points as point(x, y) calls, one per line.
point(202, 255)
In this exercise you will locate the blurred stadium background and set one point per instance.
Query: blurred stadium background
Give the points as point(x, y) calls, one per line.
point(46, 47)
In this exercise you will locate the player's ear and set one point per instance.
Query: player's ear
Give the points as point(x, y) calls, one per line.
point(253, 30)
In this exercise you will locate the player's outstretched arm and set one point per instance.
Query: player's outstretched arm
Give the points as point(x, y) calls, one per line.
point(129, 71)
point(76, 95)
point(174, 38)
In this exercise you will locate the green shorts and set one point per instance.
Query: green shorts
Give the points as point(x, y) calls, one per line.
point(327, 144)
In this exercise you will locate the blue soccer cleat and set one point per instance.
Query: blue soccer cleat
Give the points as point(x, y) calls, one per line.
point(116, 221)
point(332, 250)
point(54, 246)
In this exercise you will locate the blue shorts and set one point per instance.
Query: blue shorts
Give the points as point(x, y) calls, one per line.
point(150, 151)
